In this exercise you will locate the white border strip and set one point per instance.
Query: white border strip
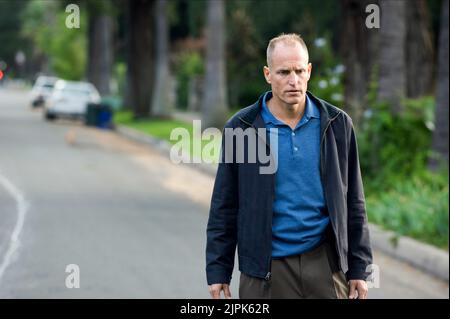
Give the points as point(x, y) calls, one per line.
point(22, 207)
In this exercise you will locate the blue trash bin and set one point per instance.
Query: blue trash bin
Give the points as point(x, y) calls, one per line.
point(104, 117)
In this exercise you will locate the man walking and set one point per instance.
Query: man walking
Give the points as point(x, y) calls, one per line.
point(302, 231)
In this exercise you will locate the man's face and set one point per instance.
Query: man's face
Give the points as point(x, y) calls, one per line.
point(289, 73)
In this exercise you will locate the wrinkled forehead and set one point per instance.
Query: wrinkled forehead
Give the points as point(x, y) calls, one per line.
point(289, 55)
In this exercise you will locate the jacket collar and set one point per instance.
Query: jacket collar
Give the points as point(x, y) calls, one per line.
point(252, 115)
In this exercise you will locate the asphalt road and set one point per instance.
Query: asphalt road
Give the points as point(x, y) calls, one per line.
point(132, 221)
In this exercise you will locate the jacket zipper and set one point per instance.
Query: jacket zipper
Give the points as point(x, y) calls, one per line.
point(322, 179)
point(269, 263)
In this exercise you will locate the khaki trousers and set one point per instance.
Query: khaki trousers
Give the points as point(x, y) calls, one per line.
point(314, 274)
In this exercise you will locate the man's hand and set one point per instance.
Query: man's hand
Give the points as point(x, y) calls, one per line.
point(358, 286)
point(215, 289)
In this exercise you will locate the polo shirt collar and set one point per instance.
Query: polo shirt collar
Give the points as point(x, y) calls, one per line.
point(310, 110)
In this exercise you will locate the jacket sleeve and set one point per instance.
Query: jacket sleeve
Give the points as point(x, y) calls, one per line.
point(222, 227)
point(360, 252)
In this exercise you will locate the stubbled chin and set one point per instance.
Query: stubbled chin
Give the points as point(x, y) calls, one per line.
point(297, 97)
point(293, 99)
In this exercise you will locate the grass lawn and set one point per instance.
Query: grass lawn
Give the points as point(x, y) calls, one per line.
point(163, 128)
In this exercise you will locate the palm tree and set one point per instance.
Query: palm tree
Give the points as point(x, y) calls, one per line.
point(392, 62)
point(100, 45)
point(214, 103)
point(140, 73)
point(359, 50)
point(440, 136)
point(161, 103)
point(419, 49)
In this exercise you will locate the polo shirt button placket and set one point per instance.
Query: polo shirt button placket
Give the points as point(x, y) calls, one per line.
point(293, 141)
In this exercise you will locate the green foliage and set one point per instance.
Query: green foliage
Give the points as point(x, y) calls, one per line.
point(244, 60)
point(394, 146)
point(309, 18)
point(99, 7)
point(44, 25)
point(402, 195)
point(68, 50)
point(327, 74)
point(416, 207)
point(186, 18)
point(188, 65)
point(10, 37)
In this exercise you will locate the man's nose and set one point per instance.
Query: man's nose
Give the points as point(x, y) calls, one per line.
point(293, 78)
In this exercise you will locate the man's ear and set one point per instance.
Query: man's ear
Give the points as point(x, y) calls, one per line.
point(266, 71)
point(309, 70)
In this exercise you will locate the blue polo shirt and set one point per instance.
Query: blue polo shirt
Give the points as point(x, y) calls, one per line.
point(299, 220)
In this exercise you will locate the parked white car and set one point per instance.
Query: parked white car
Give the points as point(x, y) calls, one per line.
point(70, 99)
point(42, 89)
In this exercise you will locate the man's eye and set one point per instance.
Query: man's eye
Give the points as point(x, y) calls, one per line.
point(284, 72)
point(300, 71)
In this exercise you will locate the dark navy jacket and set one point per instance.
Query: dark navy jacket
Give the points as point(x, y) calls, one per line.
point(242, 199)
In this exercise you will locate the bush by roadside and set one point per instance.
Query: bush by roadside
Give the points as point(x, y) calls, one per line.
point(416, 207)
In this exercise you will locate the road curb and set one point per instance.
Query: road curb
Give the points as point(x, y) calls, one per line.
point(428, 258)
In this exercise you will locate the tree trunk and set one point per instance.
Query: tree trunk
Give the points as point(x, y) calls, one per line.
point(359, 47)
point(214, 104)
point(419, 50)
point(126, 98)
point(100, 56)
point(392, 66)
point(140, 57)
point(440, 136)
point(162, 106)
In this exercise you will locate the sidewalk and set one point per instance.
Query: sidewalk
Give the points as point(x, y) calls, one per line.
point(422, 256)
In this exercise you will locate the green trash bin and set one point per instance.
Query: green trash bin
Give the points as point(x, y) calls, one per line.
point(92, 114)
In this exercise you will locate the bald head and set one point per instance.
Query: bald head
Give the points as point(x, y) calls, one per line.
point(291, 39)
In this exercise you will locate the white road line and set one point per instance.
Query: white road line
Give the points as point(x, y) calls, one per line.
point(22, 207)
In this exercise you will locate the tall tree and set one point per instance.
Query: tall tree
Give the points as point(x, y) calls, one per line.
point(161, 103)
point(242, 57)
point(440, 136)
point(359, 47)
point(419, 49)
point(12, 37)
point(38, 21)
point(100, 44)
point(392, 62)
point(140, 56)
point(214, 103)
